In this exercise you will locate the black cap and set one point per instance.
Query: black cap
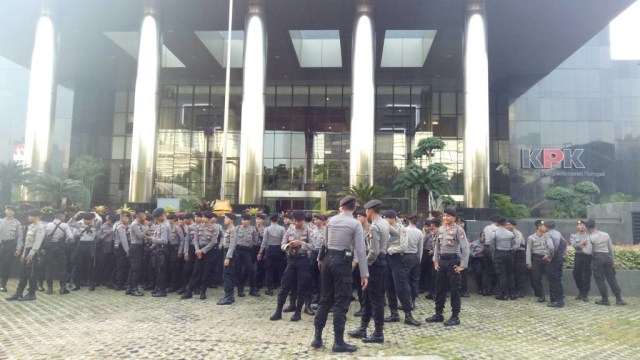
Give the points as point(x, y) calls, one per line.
point(172, 217)
point(199, 213)
point(149, 217)
point(288, 216)
point(372, 203)
point(261, 216)
point(390, 214)
point(512, 222)
point(361, 212)
point(88, 216)
point(157, 212)
point(34, 212)
point(538, 223)
point(274, 217)
point(231, 216)
point(551, 224)
point(207, 214)
point(188, 216)
point(180, 217)
point(426, 223)
point(436, 221)
point(590, 224)
point(348, 200)
point(245, 216)
point(320, 217)
point(413, 217)
point(298, 215)
point(450, 212)
point(501, 220)
point(213, 215)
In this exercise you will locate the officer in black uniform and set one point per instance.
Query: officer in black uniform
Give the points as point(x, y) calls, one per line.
point(344, 233)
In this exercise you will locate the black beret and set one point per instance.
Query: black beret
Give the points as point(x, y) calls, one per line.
point(288, 216)
point(450, 212)
point(372, 203)
point(180, 217)
point(590, 224)
point(149, 218)
point(157, 212)
point(539, 222)
point(172, 217)
point(214, 215)
point(245, 216)
point(88, 216)
point(231, 216)
point(413, 217)
point(512, 222)
point(436, 222)
point(501, 220)
point(348, 200)
point(261, 216)
point(551, 224)
point(188, 216)
point(320, 217)
point(274, 217)
point(361, 212)
point(34, 212)
point(308, 216)
point(427, 223)
point(298, 215)
point(390, 214)
point(207, 214)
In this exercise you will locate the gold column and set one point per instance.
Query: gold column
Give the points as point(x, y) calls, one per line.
point(145, 108)
point(362, 102)
point(476, 129)
point(41, 100)
point(253, 106)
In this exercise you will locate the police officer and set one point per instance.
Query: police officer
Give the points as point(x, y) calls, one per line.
point(218, 256)
point(489, 280)
point(58, 233)
point(361, 216)
point(343, 234)
point(228, 243)
point(259, 264)
point(554, 275)
point(204, 242)
point(10, 235)
point(377, 238)
point(476, 254)
point(174, 253)
point(29, 257)
point(318, 234)
point(397, 280)
point(160, 252)
point(581, 262)
point(272, 254)
point(138, 231)
point(519, 258)
point(450, 258)
point(602, 249)
point(104, 258)
point(296, 245)
point(190, 228)
point(247, 237)
point(501, 243)
point(85, 237)
point(539, 253)
point(413, 257)
point(425, 267)
point(121, 243)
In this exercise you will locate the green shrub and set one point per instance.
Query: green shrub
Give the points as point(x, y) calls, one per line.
point(626, 257)
point(507, 208)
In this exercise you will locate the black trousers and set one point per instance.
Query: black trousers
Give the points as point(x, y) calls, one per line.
point(7, 250)
point(84, 260)
point(315, 273)
point(148, 273)
point(218, 266)
point(202, 273)
point(228, 275)
point(503, 262)
point(538, 268)
point(556, 293)
point(56, 264)
point(397, 284)
point(448, 280)
point(603, 269)
point(122, 267)
point(106, 267)
point(582, 273)
point(296, 277)
point(475, 268)
point(335, 290)
point(412, 268)
point(173, 273)
point(187, 267)
point(245, 267)
point(259, 266)
point(135, 262)
point(159, 263)
point(520, 272)
point(28, 274)
point(274, 258)
point(488, 274)
point(426, 272)
point(373, 303)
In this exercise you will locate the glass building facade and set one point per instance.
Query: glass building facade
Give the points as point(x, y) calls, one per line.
point(562, 106)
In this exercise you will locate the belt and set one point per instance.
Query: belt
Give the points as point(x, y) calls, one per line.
point(448, 256)
point(538, 255)
point(510, 250)
point(161, 246)
point(346, 253)
point(299, 255)
point(244, 248)
point(397, 254)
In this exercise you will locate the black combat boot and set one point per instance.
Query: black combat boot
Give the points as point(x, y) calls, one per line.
point(603, 301)
point(254, 293)
point(28, 297)
point(307, 308)
point(340, 346)
point(291, 307)
point(187, 294)
point(64, 290)
point(226, 300)
point(360, 312)
point(392, 318)
point(136, 292)
point(453, 320)
point(435, 318)
point(619, 301)
point(360, 332)
point(376, 338)
point(14, 297)
point(410, 320)
point(317, 338)
point(40, 285)
point(278, 314)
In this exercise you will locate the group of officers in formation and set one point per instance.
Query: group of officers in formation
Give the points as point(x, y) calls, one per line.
point(312, 259)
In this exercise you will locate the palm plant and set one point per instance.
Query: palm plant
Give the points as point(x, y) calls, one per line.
point(430, 183)
point(56, 190)
point(364, 192)
point(88, 170)
point(10, 174)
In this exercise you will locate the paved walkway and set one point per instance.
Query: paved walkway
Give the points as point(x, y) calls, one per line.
point(107, 324)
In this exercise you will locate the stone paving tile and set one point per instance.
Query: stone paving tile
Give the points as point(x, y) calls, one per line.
point(107, 325)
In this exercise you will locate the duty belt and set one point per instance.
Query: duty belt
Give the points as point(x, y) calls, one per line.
point(345, 253)
point(244, 248)
point(448, 256)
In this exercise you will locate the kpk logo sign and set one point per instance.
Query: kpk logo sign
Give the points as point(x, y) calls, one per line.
point(546, 158)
